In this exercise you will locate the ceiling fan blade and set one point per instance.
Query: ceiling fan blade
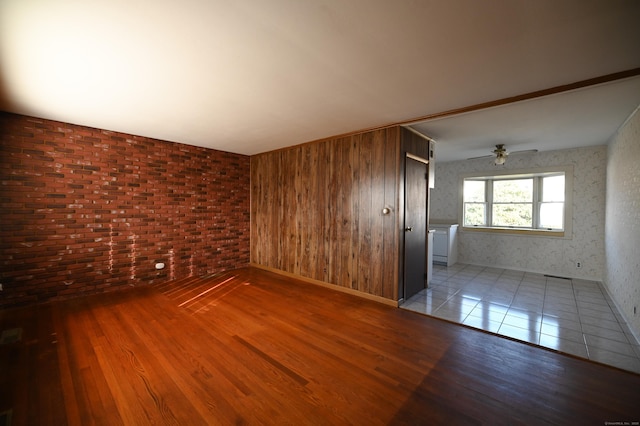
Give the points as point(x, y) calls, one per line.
point(483, 156)
point(527, 151)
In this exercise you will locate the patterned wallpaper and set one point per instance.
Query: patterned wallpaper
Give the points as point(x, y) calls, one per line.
point(556, 256)
point(622, 228)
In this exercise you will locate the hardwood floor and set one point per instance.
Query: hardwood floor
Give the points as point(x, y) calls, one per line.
point(252, 347)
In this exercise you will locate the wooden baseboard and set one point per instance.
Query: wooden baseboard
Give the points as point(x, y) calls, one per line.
point(351, 291)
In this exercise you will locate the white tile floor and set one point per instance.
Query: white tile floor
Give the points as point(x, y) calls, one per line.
point(571, 316)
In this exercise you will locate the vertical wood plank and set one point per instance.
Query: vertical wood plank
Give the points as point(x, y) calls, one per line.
point(267, 208)
point(256, 193)
point(261, 211)
point(279, 211)
point(377, 219)
point(325, 210)
point(365, 213)
point(272, 208)
point(354, 255)
point(285, 210)
point(318, 211)
point(333, 211)
point(308, 216)
point(346, 225)
point(293, 208)
point(391, 222)
point(299, 184)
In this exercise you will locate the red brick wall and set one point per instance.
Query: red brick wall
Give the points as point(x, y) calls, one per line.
point(85, 211)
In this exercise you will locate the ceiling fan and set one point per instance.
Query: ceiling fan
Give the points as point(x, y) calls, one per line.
point(501, 154)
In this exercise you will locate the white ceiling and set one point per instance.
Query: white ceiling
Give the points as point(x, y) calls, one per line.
point(578, 118)
point(253, 76)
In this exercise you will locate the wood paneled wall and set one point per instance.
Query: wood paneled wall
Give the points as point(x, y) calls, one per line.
point(316, 211)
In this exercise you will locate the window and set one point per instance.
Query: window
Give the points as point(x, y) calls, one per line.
point(535, 201)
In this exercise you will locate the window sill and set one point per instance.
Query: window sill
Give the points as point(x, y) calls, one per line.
point(515, 231)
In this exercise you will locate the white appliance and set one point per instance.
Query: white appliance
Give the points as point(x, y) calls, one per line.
point(445, 243)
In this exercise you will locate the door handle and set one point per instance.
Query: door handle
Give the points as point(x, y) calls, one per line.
point(408, 229)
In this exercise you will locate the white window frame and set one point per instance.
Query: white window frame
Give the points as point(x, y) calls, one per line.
point(521, 174)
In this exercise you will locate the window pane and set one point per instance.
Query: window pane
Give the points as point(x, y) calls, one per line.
point(513, 191)
point(474, 214)
point(473, 191)
point(518, 215)
point(553, 188)
point(551, 215)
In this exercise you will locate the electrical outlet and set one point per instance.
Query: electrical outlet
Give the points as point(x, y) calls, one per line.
point(578, 264)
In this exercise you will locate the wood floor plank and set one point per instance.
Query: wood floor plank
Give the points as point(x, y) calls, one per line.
point(254, 347)
point(67, 387)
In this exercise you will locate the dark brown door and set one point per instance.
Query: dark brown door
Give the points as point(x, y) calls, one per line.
point(415, 226)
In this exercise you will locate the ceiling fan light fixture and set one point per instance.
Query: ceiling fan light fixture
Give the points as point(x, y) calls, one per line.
point(501, 154)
